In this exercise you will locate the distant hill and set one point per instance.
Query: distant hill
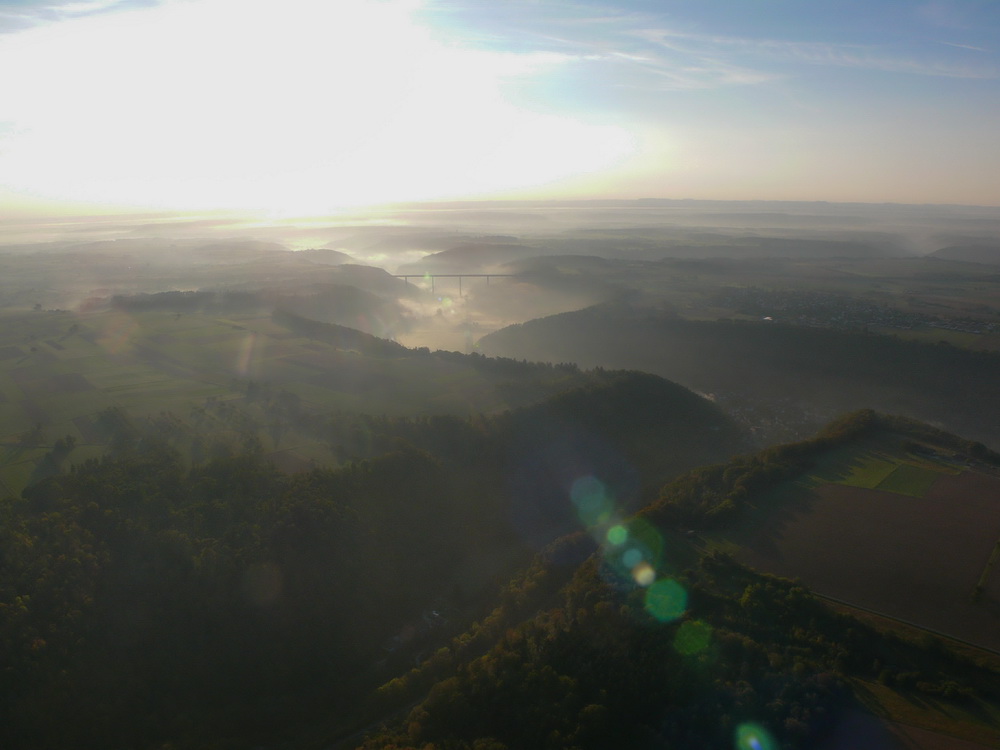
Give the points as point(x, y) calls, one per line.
point(323, 301)
point(575, 264)
point(214, 371)
point(621, 433)
point(371, 278)
point(221, 251)
point(390, 239)
point(326, 256)
point(340, 337)
point(970, 253)
point(472, 257)
point(150, 266)
point(779, 247)
point(215, 251)
point(768, 365)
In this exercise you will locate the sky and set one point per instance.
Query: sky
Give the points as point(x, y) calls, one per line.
point(309, 107)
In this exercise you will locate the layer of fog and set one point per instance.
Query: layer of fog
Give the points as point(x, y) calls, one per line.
point(542, 257)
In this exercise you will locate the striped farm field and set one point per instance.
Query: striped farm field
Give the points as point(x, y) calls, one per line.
point(910, 479)
point(881, 466)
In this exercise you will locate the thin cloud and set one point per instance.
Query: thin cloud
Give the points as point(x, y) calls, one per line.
point(810, 53)
point(964, 46)
point(697, 74)
point(11, 22)
point(24, 15)
point(667, 66)
point(595, 35)
point(873, 59)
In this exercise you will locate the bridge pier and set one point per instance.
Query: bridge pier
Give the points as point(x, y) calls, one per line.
point(460, 276)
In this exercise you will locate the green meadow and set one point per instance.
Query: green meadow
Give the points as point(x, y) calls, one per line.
point(911, 479)
point(880, 465)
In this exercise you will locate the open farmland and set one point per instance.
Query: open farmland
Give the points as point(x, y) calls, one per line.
point(905, 538)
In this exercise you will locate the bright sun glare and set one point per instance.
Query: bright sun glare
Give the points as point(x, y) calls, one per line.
point(304, 106)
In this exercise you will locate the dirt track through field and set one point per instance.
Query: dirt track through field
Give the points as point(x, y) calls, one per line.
point(862, 731)
point(917, 559)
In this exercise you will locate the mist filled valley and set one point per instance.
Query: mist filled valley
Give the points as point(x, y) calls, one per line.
point(503, 475)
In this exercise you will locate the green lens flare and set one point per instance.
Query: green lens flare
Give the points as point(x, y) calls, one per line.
point(754, 737)
point(632, 557)
point(617, 535)
point(666, 600)
point(634, 551)
point(692, 637)
point(592, 502)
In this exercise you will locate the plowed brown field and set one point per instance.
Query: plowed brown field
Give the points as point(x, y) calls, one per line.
point(912, 558)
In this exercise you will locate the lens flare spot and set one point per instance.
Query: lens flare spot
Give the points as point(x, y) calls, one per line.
point(591, 500)
point(246, 354)
point(632, 558)
point(118, 333)
point(644, 574)
point(617, 535)
point(666, 600)
point(692, 637)
point(631, 544)
point(753, 737)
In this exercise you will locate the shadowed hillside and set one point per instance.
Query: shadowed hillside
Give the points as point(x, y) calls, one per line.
point(821, 371)
point(150, 598)
point(661, 639)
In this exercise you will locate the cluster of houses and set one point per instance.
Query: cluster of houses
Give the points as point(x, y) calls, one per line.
point(832, 310)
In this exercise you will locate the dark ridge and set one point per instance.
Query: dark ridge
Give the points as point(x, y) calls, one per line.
point(824, 370)
point(714, 495)
point(979, 253)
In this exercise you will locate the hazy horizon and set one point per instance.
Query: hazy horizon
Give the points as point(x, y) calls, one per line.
point(123, 106)
point(922, 228)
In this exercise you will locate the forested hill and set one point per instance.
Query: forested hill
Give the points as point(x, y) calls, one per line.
point(657, 425)
point(713, 656)
point(339, 336)
point(818, 370)
point(148, 602)
point(660, 639)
